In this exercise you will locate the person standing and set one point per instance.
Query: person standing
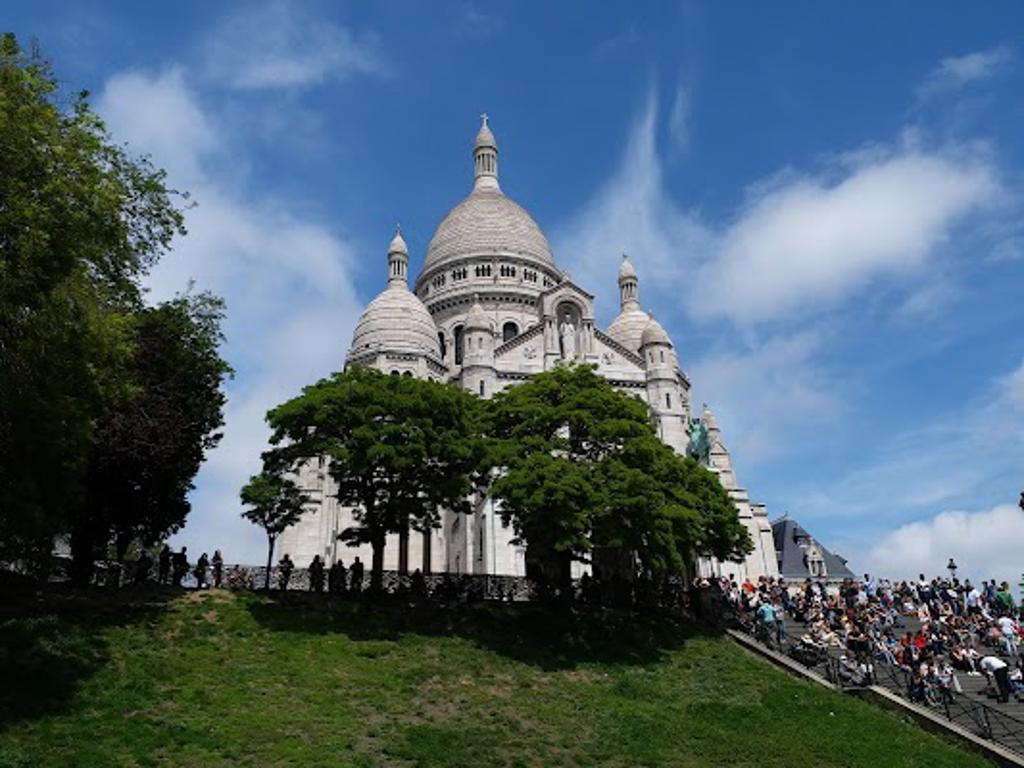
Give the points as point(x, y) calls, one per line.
point(316, 574)
point(164, 573)
point(357, 576)
point(202, 566)
point(284, 572)
point(336, 578)
point(142, 568)
point(218, 568)
point(180, 566)
point(995, 668)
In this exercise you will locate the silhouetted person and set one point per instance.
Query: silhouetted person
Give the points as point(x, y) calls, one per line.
point(336, 578)
point(284, 572)
point(164, 572)
point(180, 565)
point(142, 567)
point(316, 574)
point(418, 583)
point(357, 576)
point(202, 566)
point(218, 568)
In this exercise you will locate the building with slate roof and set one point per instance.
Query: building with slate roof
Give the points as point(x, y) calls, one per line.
point(490, 308)
point(801, 556)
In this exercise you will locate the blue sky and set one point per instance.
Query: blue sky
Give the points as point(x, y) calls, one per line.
point(824, 209)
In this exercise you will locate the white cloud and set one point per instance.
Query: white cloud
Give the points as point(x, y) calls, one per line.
point(771, 389)
point(285, 276)
point(957, 71)
point(985, 544)
point(810, 242)
point(679, 119)
point(800, 244)
point(1013, 390)
point(632, 213)
point(279, 45)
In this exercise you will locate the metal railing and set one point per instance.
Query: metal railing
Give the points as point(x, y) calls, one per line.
point(965, 711)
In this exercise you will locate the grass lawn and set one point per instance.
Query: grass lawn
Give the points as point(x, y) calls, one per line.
point(215, 679)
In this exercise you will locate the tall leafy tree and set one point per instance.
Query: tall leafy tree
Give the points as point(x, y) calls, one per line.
point(149, 444)
point(81, 220)
point(582, 468)
point(399, 449)
point(275, 505)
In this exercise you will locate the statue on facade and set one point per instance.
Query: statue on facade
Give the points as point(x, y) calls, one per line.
point(567, 334)
point(700, 442)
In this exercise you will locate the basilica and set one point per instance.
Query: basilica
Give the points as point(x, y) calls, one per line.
point(489, 308)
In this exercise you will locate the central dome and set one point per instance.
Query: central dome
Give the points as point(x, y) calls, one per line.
point(487, 222)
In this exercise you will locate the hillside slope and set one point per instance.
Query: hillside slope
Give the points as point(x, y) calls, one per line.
point(215, 679)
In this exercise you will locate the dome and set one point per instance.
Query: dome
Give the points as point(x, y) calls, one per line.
point(626, 269)
point(396, 321)
point(654, 334)
point(398, 244)
point(628, 327)
point(487, 222)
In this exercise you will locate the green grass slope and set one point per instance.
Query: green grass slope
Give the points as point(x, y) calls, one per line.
point(223, 680)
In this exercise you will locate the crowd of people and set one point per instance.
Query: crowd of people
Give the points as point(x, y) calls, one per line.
point(959, 628)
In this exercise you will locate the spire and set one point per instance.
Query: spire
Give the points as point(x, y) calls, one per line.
point(628, 285)
point(398, 260)
point(709, 419)
point(485, 157)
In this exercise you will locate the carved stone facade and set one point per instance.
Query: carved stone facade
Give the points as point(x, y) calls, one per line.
point(489, 309)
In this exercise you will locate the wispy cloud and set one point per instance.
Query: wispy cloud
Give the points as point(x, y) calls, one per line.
point(955, 72)
point(286, 278)
point(801, 242)
point(279, 45)
point(679, 119)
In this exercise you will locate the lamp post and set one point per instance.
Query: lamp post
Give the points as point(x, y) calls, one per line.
point(951, 566)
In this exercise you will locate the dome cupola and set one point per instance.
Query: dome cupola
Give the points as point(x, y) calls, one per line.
point(629, 324)
point(396, 320)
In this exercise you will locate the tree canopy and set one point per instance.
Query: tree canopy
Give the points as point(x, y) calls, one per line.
point(399, 449)
point(86, 369)
point(582, 468)
point(275, 505)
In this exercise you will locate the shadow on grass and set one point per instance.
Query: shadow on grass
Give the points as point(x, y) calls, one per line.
point(51, 638)
point(550, 637)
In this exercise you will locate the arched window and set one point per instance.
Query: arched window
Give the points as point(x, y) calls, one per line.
point(662, 353)
point(668, 400)
point(509, 331)
point(444, 347)
point(481, 388)
point(408, 373)
point(394, 372)
point(457, 343)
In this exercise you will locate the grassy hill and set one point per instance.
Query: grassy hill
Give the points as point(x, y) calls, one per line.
point(215, 679)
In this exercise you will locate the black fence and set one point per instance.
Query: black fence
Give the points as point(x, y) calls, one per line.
point(851, 671)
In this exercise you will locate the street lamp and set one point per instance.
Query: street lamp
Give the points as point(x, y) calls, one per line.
point(952, 569)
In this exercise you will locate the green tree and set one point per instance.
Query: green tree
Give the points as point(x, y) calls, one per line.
point(399, 449)
point(582, 468)
point(275, 504)
point(81, 220)
point(149, 445)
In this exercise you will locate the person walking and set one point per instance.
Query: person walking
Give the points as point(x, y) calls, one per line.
point(218, 568)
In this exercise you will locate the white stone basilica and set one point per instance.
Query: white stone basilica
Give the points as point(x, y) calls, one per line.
point(489, 309)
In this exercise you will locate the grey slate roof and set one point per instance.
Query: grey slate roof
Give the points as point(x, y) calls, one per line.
point(785, 532)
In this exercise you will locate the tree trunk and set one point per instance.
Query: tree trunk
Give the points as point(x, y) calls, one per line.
point(270, 561)
point(377, 567)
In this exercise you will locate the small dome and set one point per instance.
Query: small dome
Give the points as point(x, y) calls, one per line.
point(477, 319)
point(626, 269)
point(398, 243)
point(396, 321)
point(628, 327)
point(484, 137)
point(654, 334)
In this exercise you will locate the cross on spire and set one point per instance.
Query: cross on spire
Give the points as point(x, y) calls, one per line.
point(483, 117)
